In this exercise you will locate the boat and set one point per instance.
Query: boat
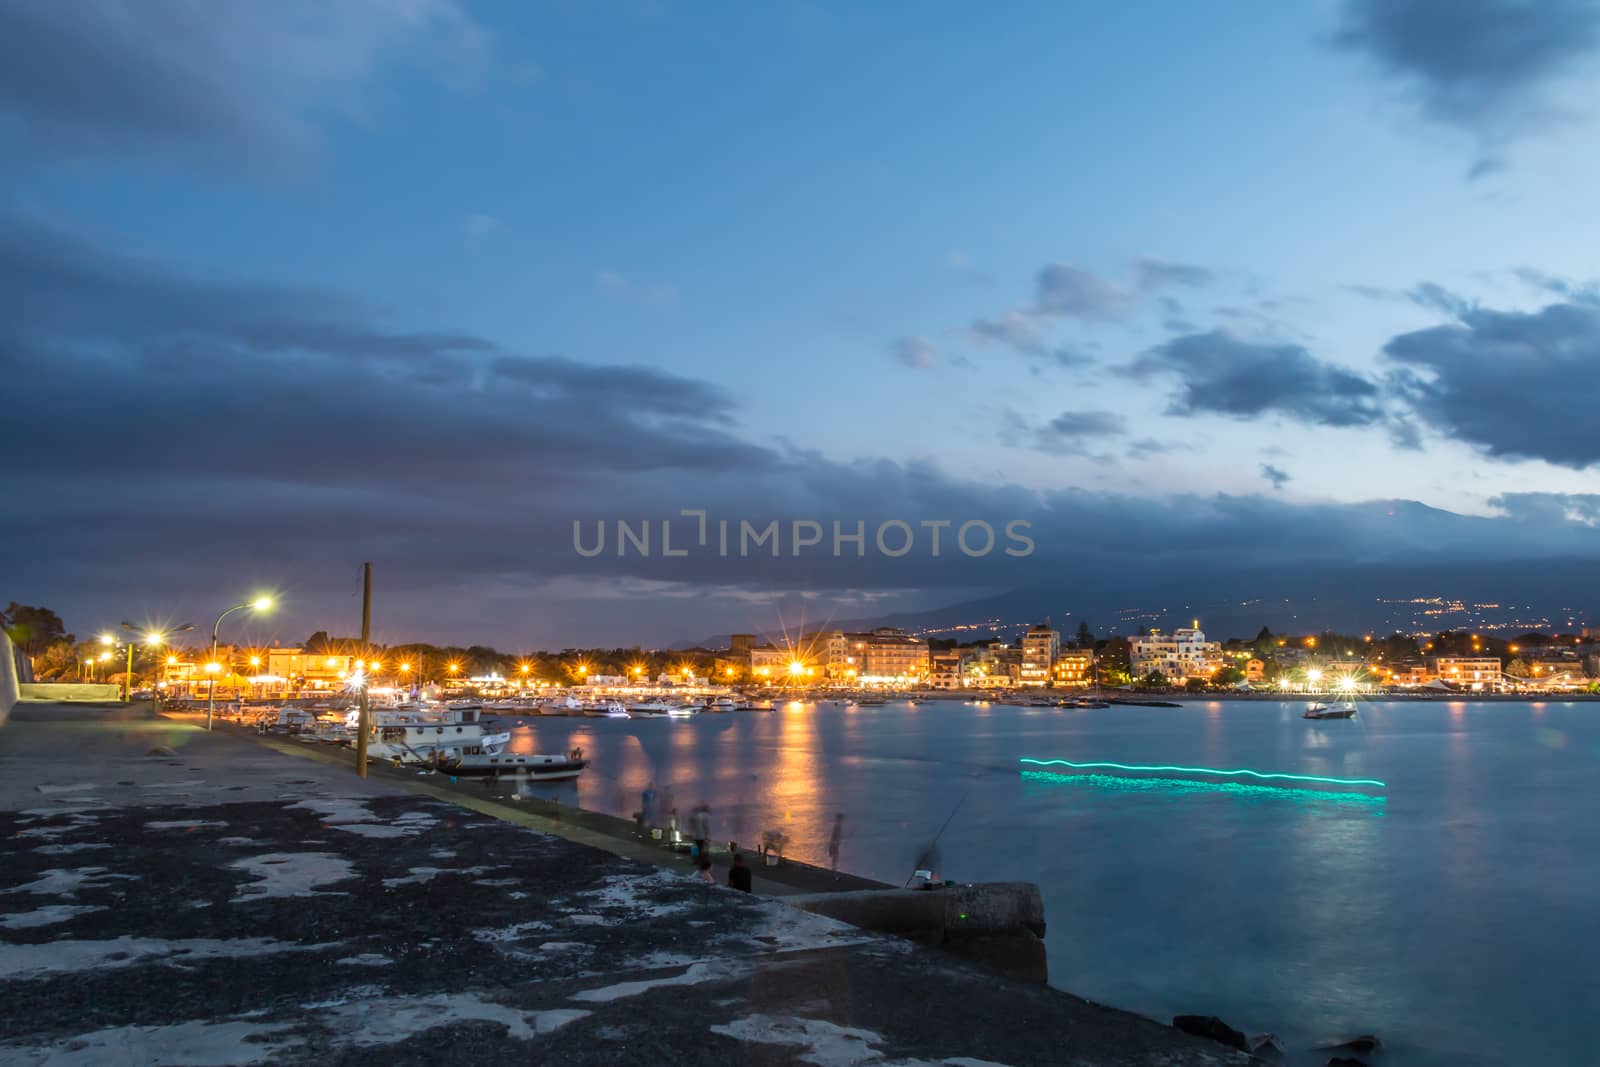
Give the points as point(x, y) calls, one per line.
point(1316, 705)
point(535, 768)
point(722, 704)
point(683, 711)
point(605, 709)
point(651, 709)
point(1323, 711)
point(871, 702)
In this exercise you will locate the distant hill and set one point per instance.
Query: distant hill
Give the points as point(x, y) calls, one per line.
point(1236, 601)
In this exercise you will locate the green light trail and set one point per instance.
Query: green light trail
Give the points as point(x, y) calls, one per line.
point(1204, 770)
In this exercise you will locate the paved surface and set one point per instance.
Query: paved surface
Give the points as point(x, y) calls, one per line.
point(233, 904)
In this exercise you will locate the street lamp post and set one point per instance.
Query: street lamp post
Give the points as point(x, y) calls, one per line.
point(261, 603)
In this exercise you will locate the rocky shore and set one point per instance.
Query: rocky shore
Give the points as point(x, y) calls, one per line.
point(221, 902)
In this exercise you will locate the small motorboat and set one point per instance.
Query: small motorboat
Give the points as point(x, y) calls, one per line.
point(683, 711)
point(871, 702)
point(1324, 711)
point(606, 709)
point(534, 768)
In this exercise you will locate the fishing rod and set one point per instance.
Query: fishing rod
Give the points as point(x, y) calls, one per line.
point(943, 827)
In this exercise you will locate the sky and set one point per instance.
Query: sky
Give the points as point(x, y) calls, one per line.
point(289, 287)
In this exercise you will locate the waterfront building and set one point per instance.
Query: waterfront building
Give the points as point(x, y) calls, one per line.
point(1074, 666)
point(944, 669)
point(1471, 672)
point(296, 669)
point(889, 656)
point(769, 663)
point(1040, 645)
point(739, 645)
point(829, 652)
point(1184, 653)
point(1255, 670)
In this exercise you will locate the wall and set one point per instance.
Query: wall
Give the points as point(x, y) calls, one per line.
point(9, 693)
point(71, 692)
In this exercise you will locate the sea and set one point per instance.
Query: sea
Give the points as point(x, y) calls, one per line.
point(1447, 903)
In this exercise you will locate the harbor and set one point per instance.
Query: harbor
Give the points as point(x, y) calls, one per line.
point(178, 896)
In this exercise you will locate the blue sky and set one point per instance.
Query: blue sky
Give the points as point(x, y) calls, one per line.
point(1130, 253)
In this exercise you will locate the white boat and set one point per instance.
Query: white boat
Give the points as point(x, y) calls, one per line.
point(569, 706)
point(1314, 706)
point(534, 768)
point(651, 709)
point(722, 704)
point(683, 711)
point(605, 709)
point(449, 734)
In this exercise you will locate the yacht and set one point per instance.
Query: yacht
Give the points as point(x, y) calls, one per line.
point(722, 704)
point(651, 709)
point(683, 711)
point(605, 709)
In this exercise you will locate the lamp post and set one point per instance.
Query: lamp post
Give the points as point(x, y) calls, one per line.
point(260, 603)
point(153, 638)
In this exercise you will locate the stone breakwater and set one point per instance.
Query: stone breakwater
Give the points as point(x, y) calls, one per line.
point(232, 905)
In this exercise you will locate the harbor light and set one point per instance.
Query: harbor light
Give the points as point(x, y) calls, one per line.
point(107, 640)
point(213, 667)
point(255, 661)
point(262, 603)
point(105, 656)
point(1347, 684)
point(1313, 676)
point(172, 661)
point(405, 668)
point(797, 668)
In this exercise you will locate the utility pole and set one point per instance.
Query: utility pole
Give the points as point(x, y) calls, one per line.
point(366, 640)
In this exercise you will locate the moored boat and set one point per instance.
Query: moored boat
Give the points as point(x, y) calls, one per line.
point(1323, 711)
point(537, 768)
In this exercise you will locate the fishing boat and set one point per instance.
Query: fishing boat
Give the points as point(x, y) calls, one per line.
point(1324, 711)
point(535, 768)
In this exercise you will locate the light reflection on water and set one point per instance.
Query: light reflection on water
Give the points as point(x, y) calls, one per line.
point(1451, 915)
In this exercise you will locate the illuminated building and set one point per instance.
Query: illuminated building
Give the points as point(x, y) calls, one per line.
point(1040, 645)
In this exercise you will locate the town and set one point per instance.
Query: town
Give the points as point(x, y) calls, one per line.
point(1037, 656)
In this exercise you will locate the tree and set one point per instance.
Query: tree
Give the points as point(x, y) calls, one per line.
point(1195, 685)
point(317, 643)
point(1085, 636)
point(1155, 680)
point(33, 629)
point(1229, 675)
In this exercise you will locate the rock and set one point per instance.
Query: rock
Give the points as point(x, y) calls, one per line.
point(1362, 1043)
point(1267, 1046)
point(162, 750)
point(1343, 1061)
point(1211, 1028)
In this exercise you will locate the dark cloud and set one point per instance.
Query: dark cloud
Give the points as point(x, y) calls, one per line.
point(1519, 385)
point(1436, 297)
point(1550, 284)
point(1277, 476)
point(235, 86)
point(917, 353)
point(1088, 424)
point(1159, 273)
point(1488, 66)
point(1220, 373)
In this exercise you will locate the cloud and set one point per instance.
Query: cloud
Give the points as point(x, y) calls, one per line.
point(238, 87)
point(1550, 284)
point(477, 224)
point(1013, 329)
point(1550, 509)
point(657, 295)
point(1221, 373)
point(1492, 67)
point(918, 353)
point(1151, 274)
point(1277, 476)
point(1062, 290)
point(1519, 385)
point(1437, 298)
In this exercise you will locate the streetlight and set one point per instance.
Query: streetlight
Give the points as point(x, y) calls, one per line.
point(260, 603)
point(153, 638)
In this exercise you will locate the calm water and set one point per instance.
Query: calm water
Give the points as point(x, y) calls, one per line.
point(1453, 913)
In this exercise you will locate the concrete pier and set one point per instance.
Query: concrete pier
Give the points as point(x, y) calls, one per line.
point(172, 896)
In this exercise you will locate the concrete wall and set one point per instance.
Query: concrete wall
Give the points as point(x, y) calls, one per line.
point(999, 924)
point(9, 694)
point(73, 692)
